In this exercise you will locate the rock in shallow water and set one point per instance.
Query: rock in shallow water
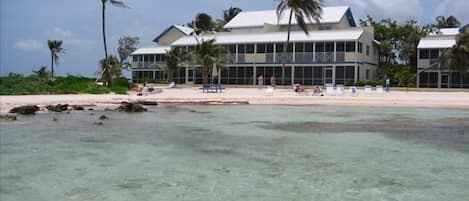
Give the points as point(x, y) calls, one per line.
point(8, 117)
point(131, 107)
point(25, 110)
point(77, 107)
point(57, 108)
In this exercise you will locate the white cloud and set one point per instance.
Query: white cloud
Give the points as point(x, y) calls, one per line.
point(30, 45)
point(457, 8)
point(67, 36)
point(401, 10)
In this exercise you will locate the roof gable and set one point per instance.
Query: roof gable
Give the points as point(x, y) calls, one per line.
point(259, 18)
point(184, 30)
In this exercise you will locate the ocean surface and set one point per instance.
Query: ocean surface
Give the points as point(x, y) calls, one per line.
point(245, 152)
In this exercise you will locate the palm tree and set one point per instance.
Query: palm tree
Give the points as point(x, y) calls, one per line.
point(230, 13)
point(447, 22)
point(208, 57)
point(457, 56)
point(55, 47)
point(114, 3)
point(43, 74)
point(203, 23)
point(175, 58)
point(110, 68)
point(303, 10)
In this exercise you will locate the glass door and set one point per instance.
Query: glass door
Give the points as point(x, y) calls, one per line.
point(328, 76)
point(190, 76)
point(444, 81)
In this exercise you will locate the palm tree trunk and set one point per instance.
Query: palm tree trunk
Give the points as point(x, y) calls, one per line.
point(104, 30)
point(288, 41)
point(52, 63)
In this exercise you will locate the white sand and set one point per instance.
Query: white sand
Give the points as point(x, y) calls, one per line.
point(435, 99)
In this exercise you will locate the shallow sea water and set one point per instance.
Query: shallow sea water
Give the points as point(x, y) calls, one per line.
point(238, 153)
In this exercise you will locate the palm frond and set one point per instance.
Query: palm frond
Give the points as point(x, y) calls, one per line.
point(118, 4)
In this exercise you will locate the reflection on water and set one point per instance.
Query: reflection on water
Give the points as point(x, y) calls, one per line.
point(238, 153)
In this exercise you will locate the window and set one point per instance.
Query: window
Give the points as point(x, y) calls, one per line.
point(299, 47)
point(241, 49)
point(279, 47)
point(330, 47)
point(270, 48)
point(320, 47)
point(434, 54)
point(360, 47)
point(367, 74)
point(367, 50)
point(350, 46)
point(260, 48)
point(325, 27)
point(424, 54)
point(308, 47)
point(340, 47)
point(250, 48)
point(232, 49)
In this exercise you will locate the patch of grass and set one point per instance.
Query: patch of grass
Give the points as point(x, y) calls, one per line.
point(30, 85)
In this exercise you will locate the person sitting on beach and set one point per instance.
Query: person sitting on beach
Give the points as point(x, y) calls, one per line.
point(299, 89)
point(317, 91)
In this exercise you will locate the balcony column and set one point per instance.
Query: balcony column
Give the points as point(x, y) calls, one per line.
point(335, 51)
point(314, 52)
point(254, 74)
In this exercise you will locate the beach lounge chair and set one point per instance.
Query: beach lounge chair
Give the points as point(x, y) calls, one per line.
point(340, 89)
point(269, 91)
point(367, 89)
point(330, 89)
point(379, 89)
point(353, 90)
point(172, 85)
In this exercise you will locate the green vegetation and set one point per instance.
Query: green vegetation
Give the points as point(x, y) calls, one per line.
point(16, 84)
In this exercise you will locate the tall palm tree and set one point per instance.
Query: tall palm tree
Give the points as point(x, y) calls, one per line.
point(114, 3)
point(447, 22)
point(175, 58)
point(55, 47)
point(230, 13)
point(457, 57)
point(208, 57)
point(303, 10)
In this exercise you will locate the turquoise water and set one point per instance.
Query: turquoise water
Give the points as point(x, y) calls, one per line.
point(238, 153)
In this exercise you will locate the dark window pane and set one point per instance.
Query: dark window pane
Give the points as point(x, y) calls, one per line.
point(424, 54)
point(249, 49)
point(350, 46)
point(340, 47)
point(360, 47)
point(260, 48)
point(241, 49)
point(320, 47)
point(241, 72)
point(299, 47)
point(232, 49)
point(330, 47)
point(350, 72)
point(434, 54)
point(308, 47)
point(270, 48)
point(279, 47)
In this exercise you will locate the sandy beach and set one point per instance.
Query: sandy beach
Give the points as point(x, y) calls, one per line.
point(235, 95)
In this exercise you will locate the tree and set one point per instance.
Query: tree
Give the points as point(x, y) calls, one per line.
point(303, 10)
point(127, 45)
point(457, 56)
point(230, 13)
point(410, 35)
point(114, 3)
point(446, 22)
point(55, 47)
point(208, 57)
point(175, 58)
point(203, 23)
point(43, 74)
point(110, 68)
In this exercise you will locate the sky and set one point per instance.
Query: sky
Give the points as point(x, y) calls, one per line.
point(26, 25)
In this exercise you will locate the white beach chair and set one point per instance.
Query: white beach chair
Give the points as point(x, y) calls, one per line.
point(353, 90)
point(367, 89)
point(269, 91)
point(330, 89)
point(171, 85)
point(340, 89)
point(379, 89)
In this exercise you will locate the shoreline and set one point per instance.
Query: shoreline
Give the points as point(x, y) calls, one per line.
point(254, 96)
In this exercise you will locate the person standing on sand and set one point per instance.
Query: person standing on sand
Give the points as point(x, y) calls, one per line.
point(260, 81)
point(388, 83)
point(273, 81)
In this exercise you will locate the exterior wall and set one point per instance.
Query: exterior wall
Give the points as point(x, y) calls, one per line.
point(171, 36)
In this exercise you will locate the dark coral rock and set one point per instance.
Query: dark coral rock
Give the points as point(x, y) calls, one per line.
point(25, 110)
